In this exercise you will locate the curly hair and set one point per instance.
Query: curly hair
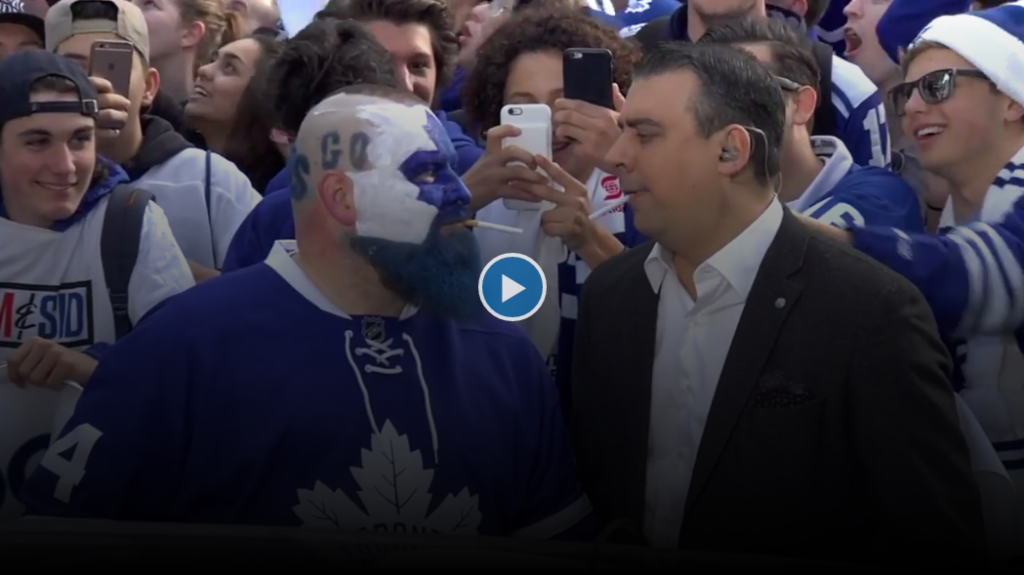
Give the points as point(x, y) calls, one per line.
point(531, 31)
point(433, 14)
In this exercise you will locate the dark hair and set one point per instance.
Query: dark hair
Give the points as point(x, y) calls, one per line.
point(734, 89)
point(248, 143)
point(533, 31)
point(392, 93)
point(323, 57)
point(815, 11)
point(433, 14)
point(792, 56)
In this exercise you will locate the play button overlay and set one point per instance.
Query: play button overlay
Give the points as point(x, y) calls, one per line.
point(512, 287)
point(509, 289)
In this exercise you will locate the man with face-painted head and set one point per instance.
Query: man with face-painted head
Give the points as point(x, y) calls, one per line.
point(279, 394)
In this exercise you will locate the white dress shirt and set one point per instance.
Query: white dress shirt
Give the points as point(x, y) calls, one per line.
point(693, 338)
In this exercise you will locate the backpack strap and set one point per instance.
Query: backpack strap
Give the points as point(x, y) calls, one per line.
point(119, 248)
point(653, 33)
point(207, 182)
point(825, 115)
point(206, 185)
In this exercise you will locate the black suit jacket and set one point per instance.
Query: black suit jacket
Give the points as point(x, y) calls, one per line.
point(833, 432)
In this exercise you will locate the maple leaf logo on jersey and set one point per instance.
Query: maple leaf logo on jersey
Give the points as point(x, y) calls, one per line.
point(394, 490)
point(638, 6)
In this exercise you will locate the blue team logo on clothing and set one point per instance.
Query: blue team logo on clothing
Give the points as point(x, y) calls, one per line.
point(60, 313)
point(635, 16)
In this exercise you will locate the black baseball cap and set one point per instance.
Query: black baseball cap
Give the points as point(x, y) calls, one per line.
point(13, 12)
point(22, 69)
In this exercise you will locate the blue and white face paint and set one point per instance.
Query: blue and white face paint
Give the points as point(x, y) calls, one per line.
point(405, 191)
point(408, 187)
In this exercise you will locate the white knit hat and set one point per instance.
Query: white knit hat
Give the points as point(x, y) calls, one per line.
point(992, 40)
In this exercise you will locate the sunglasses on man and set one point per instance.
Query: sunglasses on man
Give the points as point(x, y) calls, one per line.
point(935, 87)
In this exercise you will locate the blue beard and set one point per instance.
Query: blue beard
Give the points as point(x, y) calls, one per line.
point(439, 276)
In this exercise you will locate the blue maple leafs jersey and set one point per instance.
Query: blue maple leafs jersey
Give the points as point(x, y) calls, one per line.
point(636, 14)
point(846, 195)
point(253, 400)
point(860, 115)
point(830, 28)
point(972, 275)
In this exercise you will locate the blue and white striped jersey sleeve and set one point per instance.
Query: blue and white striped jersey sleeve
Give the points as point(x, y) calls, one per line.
point(860, 115)
point(972, 276)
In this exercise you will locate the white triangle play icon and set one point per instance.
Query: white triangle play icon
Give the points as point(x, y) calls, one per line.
point(509, 289)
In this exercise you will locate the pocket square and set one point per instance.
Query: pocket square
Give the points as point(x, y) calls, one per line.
point(775, 390)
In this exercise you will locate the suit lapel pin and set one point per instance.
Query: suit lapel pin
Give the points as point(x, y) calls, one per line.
point(780, 303)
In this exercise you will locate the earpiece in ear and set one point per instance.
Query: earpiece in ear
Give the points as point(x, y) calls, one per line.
point(728, 156)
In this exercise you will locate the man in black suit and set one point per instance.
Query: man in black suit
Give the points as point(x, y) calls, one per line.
point(741, 384)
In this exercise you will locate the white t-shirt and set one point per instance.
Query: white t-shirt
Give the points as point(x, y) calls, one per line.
point(179, 185)
point(52, 285)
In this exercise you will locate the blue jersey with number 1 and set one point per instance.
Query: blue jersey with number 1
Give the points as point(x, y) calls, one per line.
point(846, 195)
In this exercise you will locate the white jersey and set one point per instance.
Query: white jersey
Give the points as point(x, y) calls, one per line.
point(52, 286)
point(179, 185)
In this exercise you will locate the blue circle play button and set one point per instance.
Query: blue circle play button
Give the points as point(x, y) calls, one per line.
point(512, 287)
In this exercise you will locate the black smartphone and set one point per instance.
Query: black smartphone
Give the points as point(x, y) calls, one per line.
point(587, 76)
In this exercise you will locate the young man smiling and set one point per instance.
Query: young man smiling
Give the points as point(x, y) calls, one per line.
point(54, 307)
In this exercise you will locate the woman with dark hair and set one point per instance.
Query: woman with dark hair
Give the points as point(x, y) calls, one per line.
point(226, 107)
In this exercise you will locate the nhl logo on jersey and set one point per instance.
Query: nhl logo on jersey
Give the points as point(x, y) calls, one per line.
point(373, 329)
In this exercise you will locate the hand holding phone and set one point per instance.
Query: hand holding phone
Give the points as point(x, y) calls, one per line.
point(110, 69)
point(534, 123)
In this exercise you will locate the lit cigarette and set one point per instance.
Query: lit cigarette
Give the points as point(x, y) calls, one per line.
point(497, 227)
point(609, 208)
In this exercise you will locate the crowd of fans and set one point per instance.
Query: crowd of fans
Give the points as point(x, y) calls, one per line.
point(242, 287)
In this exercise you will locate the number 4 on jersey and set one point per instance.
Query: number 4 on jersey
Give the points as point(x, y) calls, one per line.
point(70, 472)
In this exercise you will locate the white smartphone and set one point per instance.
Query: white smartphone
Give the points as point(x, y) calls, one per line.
point(534, 123)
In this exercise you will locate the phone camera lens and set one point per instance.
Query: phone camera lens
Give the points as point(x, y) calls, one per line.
point(516, 111)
